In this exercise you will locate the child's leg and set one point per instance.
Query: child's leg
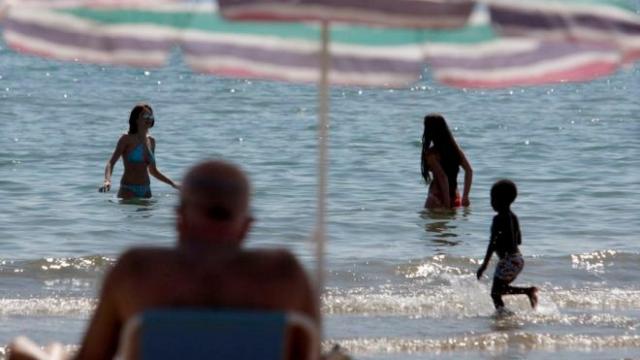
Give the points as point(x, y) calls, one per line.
point(516, 290)
point(533, 296)
point(497, 290)
point(531, 292)
point(506, 272)
point(501, 287)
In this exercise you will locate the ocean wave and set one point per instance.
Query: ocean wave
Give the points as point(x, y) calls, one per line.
point(446, 265)
point(85, 266)
point(50, 306)
point(471, 299)
point(67, 349)
point(605, 299)
point(437, 303)
point(494, 342)
point(439, 265)
point(368, 346)
point(597, 261)
point(438, 268)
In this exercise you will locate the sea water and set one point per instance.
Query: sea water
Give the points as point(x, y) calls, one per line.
point(401, 280)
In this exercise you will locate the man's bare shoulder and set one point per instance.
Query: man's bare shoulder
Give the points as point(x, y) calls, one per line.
point(142, 257)
point(139, 265)
point(279, 259)
point(139, 259)
point(267, 266)
point(150, 273)
point(272, 254)
point(143, 254)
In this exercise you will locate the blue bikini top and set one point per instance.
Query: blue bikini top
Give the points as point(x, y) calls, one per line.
point(137, 155)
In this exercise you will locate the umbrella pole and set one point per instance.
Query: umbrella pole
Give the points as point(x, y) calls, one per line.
point(323, 133)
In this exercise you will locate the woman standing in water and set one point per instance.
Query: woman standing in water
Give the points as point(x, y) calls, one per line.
point(441, 161)
point(136, 148)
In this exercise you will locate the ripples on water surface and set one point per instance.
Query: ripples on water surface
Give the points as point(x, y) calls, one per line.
point(401, 281)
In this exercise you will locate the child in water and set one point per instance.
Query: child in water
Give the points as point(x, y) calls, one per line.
point(505, 238)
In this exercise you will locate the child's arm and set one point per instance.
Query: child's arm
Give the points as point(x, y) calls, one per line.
point(490, 250)
point(485, 262)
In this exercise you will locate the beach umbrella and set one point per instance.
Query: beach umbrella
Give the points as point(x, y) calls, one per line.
point(369, 43)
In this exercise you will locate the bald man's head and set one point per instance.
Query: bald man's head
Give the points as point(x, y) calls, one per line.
point(214, 203)
point(217, 183)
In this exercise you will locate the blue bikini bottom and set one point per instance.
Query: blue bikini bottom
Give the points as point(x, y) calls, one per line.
point(139, 191)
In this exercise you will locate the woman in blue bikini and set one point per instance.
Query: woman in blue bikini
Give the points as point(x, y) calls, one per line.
point(136, 148)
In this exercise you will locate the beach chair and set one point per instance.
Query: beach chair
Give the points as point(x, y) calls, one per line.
point(211, 334)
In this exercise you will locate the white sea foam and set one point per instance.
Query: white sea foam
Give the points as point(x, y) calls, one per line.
point(465, 299)
point(594, 261)
point(494, 342)
point(67, 349)
point(469, 298)
point(604, 299)
point(58, 266)
point(51, 306)
point(439, 265)
point(365, 346)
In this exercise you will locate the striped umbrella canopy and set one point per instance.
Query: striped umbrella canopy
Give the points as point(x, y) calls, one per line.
point(145, 36)
point(397, 13)
point(477, 57)
point(524, 44)
point(615, 22)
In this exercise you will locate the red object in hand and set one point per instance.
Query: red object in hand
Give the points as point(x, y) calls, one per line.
point(458, 201)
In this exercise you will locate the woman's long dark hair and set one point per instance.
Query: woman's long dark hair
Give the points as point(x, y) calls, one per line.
point(438, 137)
point(135, 114)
